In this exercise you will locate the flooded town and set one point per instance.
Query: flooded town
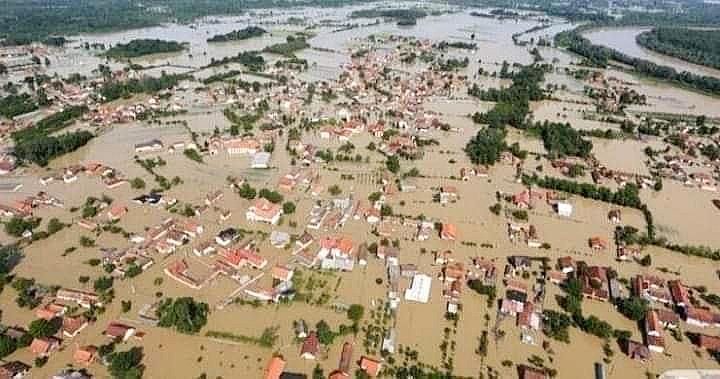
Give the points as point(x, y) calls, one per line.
point(360, 189)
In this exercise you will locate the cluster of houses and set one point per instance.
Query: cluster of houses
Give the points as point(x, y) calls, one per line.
point(25, 207)
point(111, 177)
point(310, 350)
point(58, 310)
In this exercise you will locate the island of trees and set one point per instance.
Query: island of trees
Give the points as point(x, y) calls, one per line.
point(238, 35)
point(693, 45)
point(139, 47)
point(289, 47)
point(396, 14)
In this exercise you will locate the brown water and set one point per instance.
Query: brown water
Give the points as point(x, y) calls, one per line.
point(689, 217)
point(623, 40)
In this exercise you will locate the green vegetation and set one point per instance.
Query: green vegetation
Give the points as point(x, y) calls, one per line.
point(238, 35)
point(485, 148)
point(693, 45)
point(137, 183)
point(272, 196)
point(627, 196)
point(42, 150)
point(444, 45)
point(49, 125)
point(183, 314)
point(247, 192)
point(193, 154)
point(393, 164)
point(221, 76)
point(114, 90)
point(103, 283)
point(250, 59)
point(15, 105)
point(267, 339)
point(561, 139)
point(289, 207)
point(482, 289)
point(140, 47)
point(289, 47)
point(601, 56)
point(16, 226)
point(7, 346)
point(29, 295)
point(43, 328)
point(127, 364)
point(633, 307)
point(25, 21)
point(556, 325)
point(512, 105)
point(397, 14)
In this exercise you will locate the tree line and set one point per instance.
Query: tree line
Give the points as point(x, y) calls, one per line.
point(693, 45)
point(238, 35)
point(140, 47)
point(600, 56)
point(113, 90)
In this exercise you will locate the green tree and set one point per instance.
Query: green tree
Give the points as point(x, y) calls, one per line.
point(137, 183)
point(272, 196)
point(393, 164)
point(7, 346)
point(127, 364)
point(17, 226)
point(355, 312)
point(325, 335)
point(183, 314)
point(486, 146)
point(43, 328)
point(634, 307)
point(289, 207)
point(247, 192)
point(103, 283)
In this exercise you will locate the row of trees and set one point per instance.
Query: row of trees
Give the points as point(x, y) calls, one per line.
point(15, 105)
point(627, 196)
point(693, 45)
point(600, 56)
point(114, 90)
point(250, 59)
point(42, 149)
point(49, 124)
point(238, 35)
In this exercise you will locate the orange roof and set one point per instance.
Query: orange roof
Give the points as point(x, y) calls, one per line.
point(264, 208)
point(281, 272)
point(85, 355)
point(370, 366)
point(449, 230)
point(117, 211)
point(41, 346)
point(275, 368)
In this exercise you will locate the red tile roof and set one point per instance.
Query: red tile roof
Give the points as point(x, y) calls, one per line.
point(275, 368)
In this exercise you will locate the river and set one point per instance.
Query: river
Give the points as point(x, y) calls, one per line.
point(623, 40)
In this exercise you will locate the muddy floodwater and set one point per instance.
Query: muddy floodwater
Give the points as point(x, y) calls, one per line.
point(623, 40)
point(682, 213)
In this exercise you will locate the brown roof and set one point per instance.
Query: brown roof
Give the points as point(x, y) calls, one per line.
point(709, 342)
point(527, 372)
point(311, 345)
point(85, 355)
